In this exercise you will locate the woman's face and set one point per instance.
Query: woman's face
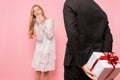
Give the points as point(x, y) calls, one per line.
point(37, 11)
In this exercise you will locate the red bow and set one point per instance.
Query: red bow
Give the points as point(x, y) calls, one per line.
point(111, 57)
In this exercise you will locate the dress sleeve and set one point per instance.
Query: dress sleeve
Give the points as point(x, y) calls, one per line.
point(49, 31)
point(38, 33)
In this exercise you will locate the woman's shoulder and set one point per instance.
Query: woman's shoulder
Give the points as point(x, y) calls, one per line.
point(49, 20)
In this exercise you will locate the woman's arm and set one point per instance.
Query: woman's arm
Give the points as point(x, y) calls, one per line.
point(49, 31)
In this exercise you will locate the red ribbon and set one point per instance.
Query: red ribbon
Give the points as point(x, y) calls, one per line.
point(111, 58)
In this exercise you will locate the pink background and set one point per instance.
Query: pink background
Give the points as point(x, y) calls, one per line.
point(16, 50)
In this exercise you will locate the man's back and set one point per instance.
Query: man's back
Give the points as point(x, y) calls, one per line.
point(87, 29)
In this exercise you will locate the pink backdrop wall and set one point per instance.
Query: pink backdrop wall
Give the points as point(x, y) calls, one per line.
point(16, 50)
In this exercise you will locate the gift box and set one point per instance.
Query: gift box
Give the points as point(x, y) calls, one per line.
point(104, 66)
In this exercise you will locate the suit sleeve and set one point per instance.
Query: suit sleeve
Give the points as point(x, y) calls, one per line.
point(108, 40)
point(74, 41)
point(70, 25)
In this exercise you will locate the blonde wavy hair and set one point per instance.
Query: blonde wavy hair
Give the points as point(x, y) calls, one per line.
point(32, 20)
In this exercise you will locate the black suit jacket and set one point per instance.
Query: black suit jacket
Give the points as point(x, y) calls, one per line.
point(87, 30)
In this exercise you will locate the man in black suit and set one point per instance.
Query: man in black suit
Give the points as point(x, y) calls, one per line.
point(87, 30)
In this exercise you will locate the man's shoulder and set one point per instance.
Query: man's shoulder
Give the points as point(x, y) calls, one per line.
point(76, 3)
point(72, 1)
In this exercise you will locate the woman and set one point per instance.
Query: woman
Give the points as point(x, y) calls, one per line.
point(41, 28)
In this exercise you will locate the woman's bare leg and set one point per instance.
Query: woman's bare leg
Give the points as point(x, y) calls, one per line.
point(46, 75)
point(37, 76)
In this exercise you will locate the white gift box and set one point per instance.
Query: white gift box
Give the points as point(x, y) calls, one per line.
point(102, 68)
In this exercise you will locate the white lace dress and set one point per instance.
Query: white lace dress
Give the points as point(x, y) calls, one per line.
point(44, 56)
